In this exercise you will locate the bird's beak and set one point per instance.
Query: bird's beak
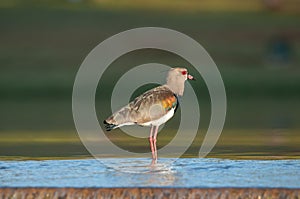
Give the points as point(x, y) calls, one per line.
point(190, 77)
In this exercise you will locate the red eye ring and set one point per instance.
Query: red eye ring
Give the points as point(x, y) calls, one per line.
point(184, 72)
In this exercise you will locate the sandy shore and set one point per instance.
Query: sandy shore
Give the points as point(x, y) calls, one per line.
point(114, 193)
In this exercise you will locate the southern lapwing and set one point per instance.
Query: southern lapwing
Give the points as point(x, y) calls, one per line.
point(153, 108)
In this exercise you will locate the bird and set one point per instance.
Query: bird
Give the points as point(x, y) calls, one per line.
point(152, 108)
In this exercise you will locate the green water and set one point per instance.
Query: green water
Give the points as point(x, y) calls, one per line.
point(234, 144)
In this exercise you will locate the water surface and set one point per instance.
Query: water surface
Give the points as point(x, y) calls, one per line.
point(137, 172)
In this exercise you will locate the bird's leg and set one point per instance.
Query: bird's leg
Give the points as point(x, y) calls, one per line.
point(154, 141)
point(151, 142)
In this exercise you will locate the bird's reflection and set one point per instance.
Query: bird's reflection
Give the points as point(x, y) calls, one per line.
point(147, 173)
point(161, 174)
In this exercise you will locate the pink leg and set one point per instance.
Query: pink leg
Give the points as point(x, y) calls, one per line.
point(151, 142)
point(154, 141)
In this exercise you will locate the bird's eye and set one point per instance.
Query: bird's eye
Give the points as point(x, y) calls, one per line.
point(184, 72)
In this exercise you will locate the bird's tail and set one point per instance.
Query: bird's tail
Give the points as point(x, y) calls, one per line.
point(109, 126)
point(118, 119)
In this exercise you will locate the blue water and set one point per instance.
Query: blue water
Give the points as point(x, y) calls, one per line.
point(121, 172)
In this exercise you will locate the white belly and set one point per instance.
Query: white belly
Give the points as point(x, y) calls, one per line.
point(161, 120)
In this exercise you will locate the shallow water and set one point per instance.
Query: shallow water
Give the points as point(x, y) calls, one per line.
point(122, 172)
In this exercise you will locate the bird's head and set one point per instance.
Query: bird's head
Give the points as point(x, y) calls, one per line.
point(184, 73)
point(176, 78)
point(179, 75)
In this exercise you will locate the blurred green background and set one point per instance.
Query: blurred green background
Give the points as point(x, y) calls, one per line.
point(255, 44)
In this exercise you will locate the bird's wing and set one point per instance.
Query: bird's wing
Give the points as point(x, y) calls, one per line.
point(147, 107)
point(153, 104)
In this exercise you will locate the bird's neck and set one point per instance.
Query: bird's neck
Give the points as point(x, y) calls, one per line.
point(176, 87)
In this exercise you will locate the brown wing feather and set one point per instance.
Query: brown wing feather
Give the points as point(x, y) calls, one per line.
point(151, 105)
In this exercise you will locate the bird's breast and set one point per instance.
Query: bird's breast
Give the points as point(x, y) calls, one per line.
point(161, 120)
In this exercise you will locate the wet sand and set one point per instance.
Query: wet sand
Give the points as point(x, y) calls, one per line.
point(114, 193)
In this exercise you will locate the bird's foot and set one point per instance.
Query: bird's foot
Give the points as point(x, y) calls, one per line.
point(153, 162)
